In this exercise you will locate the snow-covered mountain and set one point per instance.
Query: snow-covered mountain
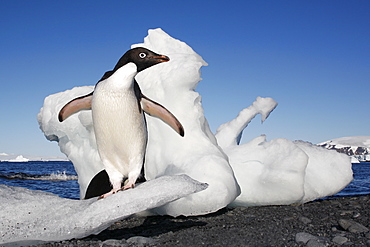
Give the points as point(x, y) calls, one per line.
point(355, 146)
point(25, 158)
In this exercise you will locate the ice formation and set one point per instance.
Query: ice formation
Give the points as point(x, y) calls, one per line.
point(259, 172)
point(280, 172)
point(29, 217)
point(19, 158)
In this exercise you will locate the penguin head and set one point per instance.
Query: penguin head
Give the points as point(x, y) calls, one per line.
point(142, 57)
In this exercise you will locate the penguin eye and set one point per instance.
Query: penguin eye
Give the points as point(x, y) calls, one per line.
point(142, 55)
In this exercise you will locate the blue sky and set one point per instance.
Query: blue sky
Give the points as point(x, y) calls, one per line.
point(312, 57)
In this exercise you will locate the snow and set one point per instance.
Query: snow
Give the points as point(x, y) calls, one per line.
point(30, 217)
point(259, 172)
point(358, 147)
point(359, 141)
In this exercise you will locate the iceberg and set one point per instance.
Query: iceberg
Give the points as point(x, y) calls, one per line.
point(280, 172)
point(259, 172)
point(19, 158)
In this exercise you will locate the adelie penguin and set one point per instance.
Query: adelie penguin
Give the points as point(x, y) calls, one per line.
point(117, 105)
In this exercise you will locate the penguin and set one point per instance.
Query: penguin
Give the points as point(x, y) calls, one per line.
point(117, 106)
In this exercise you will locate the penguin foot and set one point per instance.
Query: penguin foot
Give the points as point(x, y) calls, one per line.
point(109, 193)
point(128, 186)
point(114, 191)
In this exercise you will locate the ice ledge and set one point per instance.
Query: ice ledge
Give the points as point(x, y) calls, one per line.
point(42, 216)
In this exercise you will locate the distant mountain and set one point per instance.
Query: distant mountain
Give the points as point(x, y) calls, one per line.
point(355, 146)
point(25, 158)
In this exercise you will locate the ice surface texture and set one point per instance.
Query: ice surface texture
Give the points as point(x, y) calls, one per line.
point(256, 173)
point(30, 217)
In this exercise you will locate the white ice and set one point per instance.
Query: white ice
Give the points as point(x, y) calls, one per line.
point(19, 158)
point(280, 172)
point(31, 217)
point(259, 172)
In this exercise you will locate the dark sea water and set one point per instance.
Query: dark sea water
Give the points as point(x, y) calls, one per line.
point(59, 177)
point(361, 180)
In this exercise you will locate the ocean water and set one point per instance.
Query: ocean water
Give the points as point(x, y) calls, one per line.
point(361, 181)
point(59, 177)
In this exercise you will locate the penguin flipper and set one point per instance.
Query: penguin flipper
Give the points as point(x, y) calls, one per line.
point(154, 109)
point(75, 105)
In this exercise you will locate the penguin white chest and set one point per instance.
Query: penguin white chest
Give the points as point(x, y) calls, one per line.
point(119, 125)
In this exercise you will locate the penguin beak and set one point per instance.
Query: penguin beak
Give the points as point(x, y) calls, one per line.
point(161, 58)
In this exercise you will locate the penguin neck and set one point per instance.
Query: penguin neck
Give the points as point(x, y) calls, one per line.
point(123, 77)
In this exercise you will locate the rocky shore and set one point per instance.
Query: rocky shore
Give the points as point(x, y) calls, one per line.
point(335, 222)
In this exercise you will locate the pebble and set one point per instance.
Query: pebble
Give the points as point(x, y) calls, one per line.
point(352, 226)
point(304, 237)
point(136, 241)
point(139, 240)
point(356, 215)
point(314, 243)
point(345, 224)
point(340, 240)
point(311, 240)
point(305, 220)
point(114, 243)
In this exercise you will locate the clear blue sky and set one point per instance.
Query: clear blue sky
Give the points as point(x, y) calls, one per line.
point(312, 57)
